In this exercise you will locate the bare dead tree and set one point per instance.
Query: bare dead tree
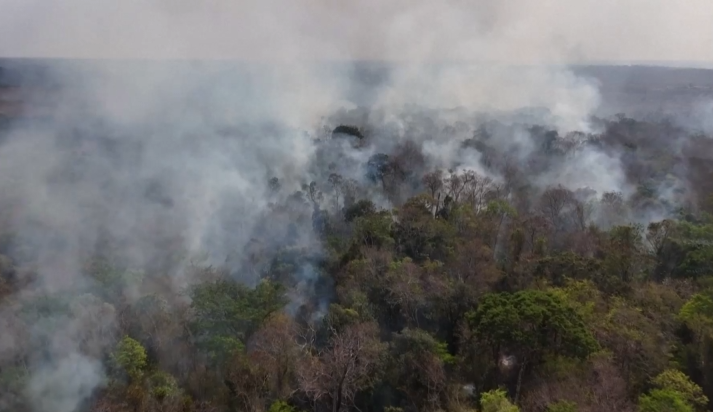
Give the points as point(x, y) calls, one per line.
point(434, 183)
point(345, 367)
point(336, 181)
point(478, 190)
point(405, 290)
point(535, 226)
point(597, 387)
point(350, 191)
point(657, 234)
point(455, 184)
point(553, 203)
point(613, 210)
point(581, 213)
point(275, 348)
point(315, 195)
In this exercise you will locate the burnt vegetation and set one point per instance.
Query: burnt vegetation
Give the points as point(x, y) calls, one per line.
point(459, 265)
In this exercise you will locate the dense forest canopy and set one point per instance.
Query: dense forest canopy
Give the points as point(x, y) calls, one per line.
point(193, 246)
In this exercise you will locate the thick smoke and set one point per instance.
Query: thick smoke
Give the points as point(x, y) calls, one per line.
point(51, 390)
point(208, 159)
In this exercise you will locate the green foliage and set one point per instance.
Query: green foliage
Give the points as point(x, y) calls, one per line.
point(625, 260)
point(532, 323)
point(561, 315)
point(441, 352)
point(226, 313)
point(584, 297)
point(130, 357)
point(359, 209)
point(540, 246)
point(677, 381)
point(663, 400)
point(359, 305)
point(557, 268)
point(219, 347)
point(496, 401)
point(417, 365)
point(339, 317)
point(419, 236)
point(627, 325)
point(416, 343)
point(281, 406)
point(500, 207)
point(688, 251)
point(162, 385)
point(697, 313)
point(374, 230)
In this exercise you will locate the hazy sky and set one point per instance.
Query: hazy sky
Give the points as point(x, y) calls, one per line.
point(500, 30)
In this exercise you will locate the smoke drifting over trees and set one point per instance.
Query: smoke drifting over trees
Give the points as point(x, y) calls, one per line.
point(303, 228)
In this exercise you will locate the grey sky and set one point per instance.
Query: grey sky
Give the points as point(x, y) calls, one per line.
point(493, 30)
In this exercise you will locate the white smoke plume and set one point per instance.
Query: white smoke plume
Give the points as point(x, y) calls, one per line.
point(62, 387)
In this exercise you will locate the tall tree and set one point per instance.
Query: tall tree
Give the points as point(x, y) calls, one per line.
point(346, 366)
point(528, 325)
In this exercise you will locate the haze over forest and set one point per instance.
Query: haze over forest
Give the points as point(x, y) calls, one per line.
point(402, 206)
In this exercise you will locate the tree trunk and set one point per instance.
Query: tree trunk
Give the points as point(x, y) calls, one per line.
point(519, 382)
point(337, 400)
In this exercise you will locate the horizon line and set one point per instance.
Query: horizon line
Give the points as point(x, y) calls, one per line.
point(655, 63)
